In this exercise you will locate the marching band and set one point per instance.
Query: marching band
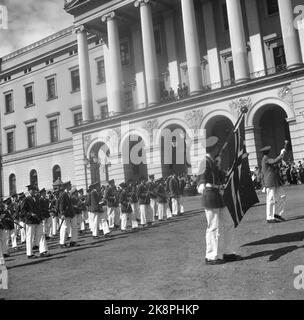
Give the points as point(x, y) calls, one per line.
point(39, 216)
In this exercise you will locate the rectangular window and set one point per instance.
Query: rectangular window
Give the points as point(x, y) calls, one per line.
point(10, 142)
point(225, 17)
point(54, 130)
point(75, 80)
point(125, 54)
point(279, 57)
point(128, 100)
point(104, 113)
point(78, 118)
point(101, 73)
point(157, 38)
point(231, 70)
point(31, 136)
point(51, 88)
point(29, 96)
point(9, 103)
point(272, 7)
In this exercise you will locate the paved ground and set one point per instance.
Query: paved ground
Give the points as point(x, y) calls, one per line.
point(166, 262)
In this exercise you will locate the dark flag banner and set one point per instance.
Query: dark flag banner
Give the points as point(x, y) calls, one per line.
point(240, 195)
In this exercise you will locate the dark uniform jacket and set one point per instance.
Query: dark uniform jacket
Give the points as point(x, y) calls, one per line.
point(151, 188)
point(65, 207)
point(212, 198)
point(143, 194)
point(124, 202)
point(94, 201)
point(6, 219)
point(111, 197)
point(30, 211)
point(44, 208)
point(75, 204)
point(174, 187)
point(270, 174)
point(161, 194)
point(53, 207)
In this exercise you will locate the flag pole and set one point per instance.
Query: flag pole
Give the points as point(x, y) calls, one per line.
point(244, 110)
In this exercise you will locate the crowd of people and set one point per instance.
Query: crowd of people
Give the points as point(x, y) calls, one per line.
point(40, 215)
point(171, 95)
point(290, 173)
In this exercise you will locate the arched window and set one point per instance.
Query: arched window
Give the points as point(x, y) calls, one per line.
point(33, 177)
point(12, 184)
point(56, 173)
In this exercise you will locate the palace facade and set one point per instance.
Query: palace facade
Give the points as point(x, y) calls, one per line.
point(75, 103)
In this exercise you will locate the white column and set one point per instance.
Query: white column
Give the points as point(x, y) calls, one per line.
point(141, 90)
point(255, 38)
point(301, 35)
point(108, 73)
point(290, 34)
point(115, 63)
point(238, 42)
point(84, 74)
point(172, 52)
point(212, 48)
point(150, 59)
point(192, 47)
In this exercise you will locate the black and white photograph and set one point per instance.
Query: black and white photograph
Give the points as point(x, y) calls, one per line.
point(151, 150)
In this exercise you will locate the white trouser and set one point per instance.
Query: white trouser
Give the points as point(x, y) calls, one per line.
point(13, 235)
point(175, 206)
point(168, 212)
point(95, 223)
point(69, 224)
point(181, 205)
point(274, 195)
point(133, 218)
point(153, 205)
point(23, 231)
point(219, 233)
point(135, 210)
point(34, 232)
point(90, 217)
point(124, 221)
point(162, 208)
point(84, 216)
point(1, 243)
point(46, 225)
point(55, 226)
point(113, 216)
point(103, 224)
point(143, 213)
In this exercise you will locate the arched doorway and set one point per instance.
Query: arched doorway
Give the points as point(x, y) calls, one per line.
point(33, 178)
point(134, 158)
point(174, 151)
point(272, 129)
point(12, 184)
point(221, 126)
point(100, 163)
point(56, 173)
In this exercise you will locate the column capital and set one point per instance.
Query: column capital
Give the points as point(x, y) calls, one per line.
point(80, 28)
point(109, 16)
point(140, 3)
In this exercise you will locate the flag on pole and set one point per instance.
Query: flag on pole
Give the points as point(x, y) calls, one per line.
point(239, 195)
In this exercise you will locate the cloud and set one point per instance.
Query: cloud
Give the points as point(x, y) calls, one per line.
point(30, 21)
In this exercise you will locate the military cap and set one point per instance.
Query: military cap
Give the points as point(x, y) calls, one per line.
point(80, 190)
point(212, 142)
point(94, 185)
point(15, 195)
point(73, 190)
point(32, 187)
point(265, 149)
point(151, 176)
point(112, 181)
point(122, 184)
point(21, 195)
point(7, 200)
point(42, 190)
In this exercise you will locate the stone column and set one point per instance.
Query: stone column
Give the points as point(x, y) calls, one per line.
point(290, 34)
point(115, 62)
point(172, 51)
point(300, 23)
point(141, 91)
point(150, 60)
point(216, 78)
point(238, 41)
point(108, 73)
point(192, 47)
point(255, 38)
point(84, 74)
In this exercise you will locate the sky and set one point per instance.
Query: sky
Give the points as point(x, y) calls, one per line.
point(30, 21)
